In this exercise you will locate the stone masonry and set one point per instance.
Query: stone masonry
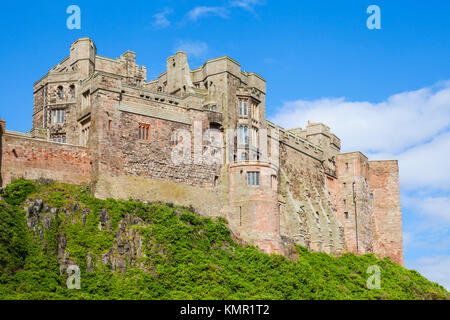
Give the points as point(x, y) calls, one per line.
point(200, 138)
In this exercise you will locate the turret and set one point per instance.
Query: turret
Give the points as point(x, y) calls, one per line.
point(178, 74)
point(82, 55)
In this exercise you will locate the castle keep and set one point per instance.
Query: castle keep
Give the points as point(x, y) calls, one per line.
point(98, 120)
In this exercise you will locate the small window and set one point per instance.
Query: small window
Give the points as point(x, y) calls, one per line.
point(243, 134)
point(345, 185)
point(175, 139)
point(60, 92)
point(72, 91)
point(371, 196)
point(243, 111)
point(144, 132)
point(58, 116)
point(346, 165)
point(109, 125)
point(253, 178)
point(346, 215)
point(345, 202)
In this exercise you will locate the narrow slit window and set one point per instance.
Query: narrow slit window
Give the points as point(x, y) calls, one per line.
point(144, 132)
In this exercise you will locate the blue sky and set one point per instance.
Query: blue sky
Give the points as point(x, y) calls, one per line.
point(385, 92)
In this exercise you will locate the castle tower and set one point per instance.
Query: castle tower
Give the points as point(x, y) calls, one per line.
point(254, 213)
point(178, 74)
point(82, 55)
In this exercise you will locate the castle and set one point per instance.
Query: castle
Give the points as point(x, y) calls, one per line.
point(98, 120)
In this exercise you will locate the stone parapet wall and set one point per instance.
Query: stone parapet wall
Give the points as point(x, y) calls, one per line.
point(31, 158)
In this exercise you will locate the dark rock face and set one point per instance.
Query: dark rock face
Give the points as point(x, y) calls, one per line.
point(127, 249)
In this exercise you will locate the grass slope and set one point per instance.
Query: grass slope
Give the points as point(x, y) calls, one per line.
point(188, 257)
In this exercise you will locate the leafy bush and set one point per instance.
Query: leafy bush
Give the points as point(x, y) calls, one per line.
point(16, 192)
point(186, 257)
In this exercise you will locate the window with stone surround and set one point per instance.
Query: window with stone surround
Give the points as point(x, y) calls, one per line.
point(243, 134)
point(144, 132)
point(175, 139)
point(72, 91)
point(60, 92)
point(243, 110)
point(58, 116)
point(61, 138)
point(253, 178)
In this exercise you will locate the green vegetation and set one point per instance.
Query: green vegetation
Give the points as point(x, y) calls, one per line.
point(185, 256)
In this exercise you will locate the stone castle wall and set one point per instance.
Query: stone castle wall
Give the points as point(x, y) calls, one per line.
point(312, 195)
point(31, 158)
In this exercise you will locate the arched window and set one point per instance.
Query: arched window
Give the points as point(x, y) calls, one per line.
point(60, 92)
point(72, 91)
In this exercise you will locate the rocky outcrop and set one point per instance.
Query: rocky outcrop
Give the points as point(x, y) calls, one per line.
point(128, 243)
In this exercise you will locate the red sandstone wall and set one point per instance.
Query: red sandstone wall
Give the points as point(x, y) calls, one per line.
point(32, 159)
point(254, 212)
point(353, 168)
point(384, 183)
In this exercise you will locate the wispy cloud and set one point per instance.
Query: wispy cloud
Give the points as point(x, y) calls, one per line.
point(196, 49)
point(203, 11)
point(222, 11)
point(161, 20)
point(248, 5)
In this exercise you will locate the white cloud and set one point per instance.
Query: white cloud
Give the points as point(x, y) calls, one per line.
point(192, 48)
point(161, 20)
point(402, 121)
point(203, 11)
point(427, 166)
point(410, 126)
point(434, 268)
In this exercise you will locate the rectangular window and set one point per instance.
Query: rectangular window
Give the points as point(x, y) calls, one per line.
point(144, 134)
point(346, 215)
point(58, 116)
point(243, 134)
point(175, 139)
point(243, 111)
point(253, 178)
